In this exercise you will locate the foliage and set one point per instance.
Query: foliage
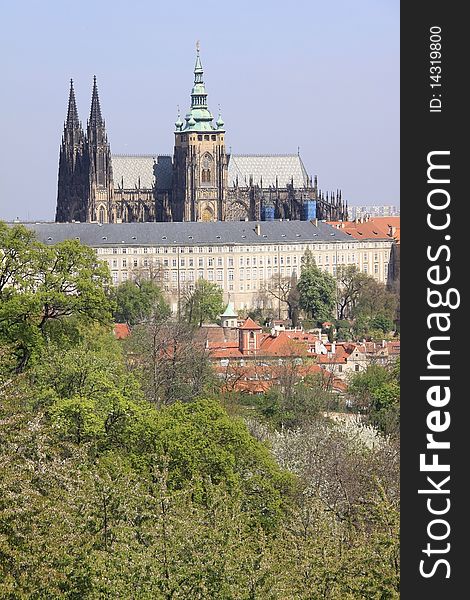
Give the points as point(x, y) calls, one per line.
point(316, 291)
point(293, 403)
point(284, 290)
point(351, 283)
point(42, 284)
point(121, 478)
point(204, 304)
point(169, 362)
point(382, 322)
point(376, 392)
point(375, 308)
point(137, 301)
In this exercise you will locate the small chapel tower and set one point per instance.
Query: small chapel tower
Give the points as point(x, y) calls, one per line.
point(200, 161)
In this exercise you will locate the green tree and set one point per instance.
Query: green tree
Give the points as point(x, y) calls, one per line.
point(137, 301)
point(317, 291)
point(375, 300)
point(382, 322)
point(376, 391)
point(40, 285)
point(204, 304)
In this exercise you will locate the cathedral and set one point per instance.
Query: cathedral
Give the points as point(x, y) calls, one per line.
point(201, 181)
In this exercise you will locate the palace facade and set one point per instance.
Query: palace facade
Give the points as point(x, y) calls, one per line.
point(241, 257)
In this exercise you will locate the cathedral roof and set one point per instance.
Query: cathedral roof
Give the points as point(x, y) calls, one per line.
point(268, 168)
point(190, 233)
point(128, 169)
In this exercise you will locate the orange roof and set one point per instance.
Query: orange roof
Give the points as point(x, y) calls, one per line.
point(375, 228)
point(250, 324)
point(121, 331)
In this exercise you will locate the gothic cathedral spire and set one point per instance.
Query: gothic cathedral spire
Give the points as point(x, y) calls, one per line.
point(101, 206)
point(73, 167)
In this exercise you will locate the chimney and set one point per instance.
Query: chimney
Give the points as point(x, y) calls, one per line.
point(258, 229)
point(333, 347)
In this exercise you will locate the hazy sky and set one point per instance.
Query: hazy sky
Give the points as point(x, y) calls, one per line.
point(322, 76)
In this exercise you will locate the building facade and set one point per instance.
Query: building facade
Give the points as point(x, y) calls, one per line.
point(240, 257)
point(200, 181)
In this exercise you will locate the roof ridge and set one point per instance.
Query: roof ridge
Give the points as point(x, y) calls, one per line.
point(118, 155)
point(267, 155)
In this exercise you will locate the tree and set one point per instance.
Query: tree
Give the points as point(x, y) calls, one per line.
point(351, 281)
point(316, 290)
point(204, 304)
point(137, 301)
point(375, 299)
point(169, 362)
point(376, 392)
point(40, 285)
point(284, 290)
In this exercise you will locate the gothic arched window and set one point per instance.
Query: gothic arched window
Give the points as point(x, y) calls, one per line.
point(207, 166)
point(102, 214)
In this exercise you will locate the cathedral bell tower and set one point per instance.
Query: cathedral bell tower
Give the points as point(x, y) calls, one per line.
point(200, 161)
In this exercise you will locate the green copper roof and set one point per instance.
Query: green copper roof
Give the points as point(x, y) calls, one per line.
point(199, 117)
point(230, 311)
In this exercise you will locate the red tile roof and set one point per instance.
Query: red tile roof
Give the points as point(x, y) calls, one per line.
point(375, 228)
point(121, 331)
point(250, 324)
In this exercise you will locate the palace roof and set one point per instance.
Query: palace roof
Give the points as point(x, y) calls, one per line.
point(190, 233)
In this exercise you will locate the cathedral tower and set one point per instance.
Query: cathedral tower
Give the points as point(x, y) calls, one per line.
point(200, 161)
point(72, 193)
point(85, 187)
point(101, 188)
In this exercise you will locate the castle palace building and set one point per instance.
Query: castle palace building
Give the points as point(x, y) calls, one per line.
point(201, 181)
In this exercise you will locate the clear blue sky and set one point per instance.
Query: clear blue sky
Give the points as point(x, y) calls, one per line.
point(322, 76)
